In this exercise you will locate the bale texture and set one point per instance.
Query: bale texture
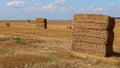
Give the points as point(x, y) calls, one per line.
point(41, 23)
point(90, 20)
point(89, 46)
point(91, 25)
point(93, 34)
point(90, 32)
point(90, 39)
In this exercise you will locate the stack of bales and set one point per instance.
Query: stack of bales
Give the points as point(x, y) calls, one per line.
point(93, 34)
point(28, 20)
point(41, 23)
point(118, 21)
point(69, 27)
point(7, 24)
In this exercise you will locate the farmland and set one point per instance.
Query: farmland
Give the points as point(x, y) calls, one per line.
point(22, 45)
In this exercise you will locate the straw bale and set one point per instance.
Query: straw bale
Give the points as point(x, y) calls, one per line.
point(91, 52)
point(7, 24)
point(41, 23)
point(90, 39)
point(91, 25)
point(91, 17)
point(118, 21)
point(28, 21)
point(91, 48)
point(94, 21)
point(69, 27)
point(95, 33)
point(90, 32)
point(40, 19)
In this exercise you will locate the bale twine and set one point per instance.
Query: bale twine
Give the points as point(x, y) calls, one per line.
point(93, 34)
point(41, 23)
point(7, 24)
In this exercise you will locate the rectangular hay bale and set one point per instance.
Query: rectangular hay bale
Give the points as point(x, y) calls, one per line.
point(93, 34)
point(90, 25)
point(90, 39)
point(90, 32)
point(90, 20)
point(41, 23)
point(91, 48)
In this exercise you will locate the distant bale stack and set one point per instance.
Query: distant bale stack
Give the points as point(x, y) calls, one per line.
point(69, 27)
point(7, 24)
point(28, 21)
point(118, 21)
point(41, 23)
point(93, 34)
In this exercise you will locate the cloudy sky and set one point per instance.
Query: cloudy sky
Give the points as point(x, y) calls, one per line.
point(55, 9)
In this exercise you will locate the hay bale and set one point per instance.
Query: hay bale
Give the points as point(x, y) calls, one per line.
point(89, 46)
point(90, 32)
point(92, 48)
point(69, 27)
point(92, 18)
point(90, 39)
point(94, 21)
point(117, 21)
point(106, 40)
point(41, 23)
point(7, 24)
point(28, 21)
point(93, 33)
point(91, 25)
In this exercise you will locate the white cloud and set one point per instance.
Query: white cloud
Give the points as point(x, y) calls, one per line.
point(36, 0)
point(113, 4)
point(90, 9)
point(48, 7)
point(15, 4)
point(95, 9)
point(60, 1)
point(55, 6)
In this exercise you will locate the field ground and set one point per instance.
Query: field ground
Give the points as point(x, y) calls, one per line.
point(22, 45)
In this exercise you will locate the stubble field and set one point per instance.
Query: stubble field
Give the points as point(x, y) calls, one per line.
point(22, 45)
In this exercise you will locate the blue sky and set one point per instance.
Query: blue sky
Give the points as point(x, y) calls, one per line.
point(56, 9)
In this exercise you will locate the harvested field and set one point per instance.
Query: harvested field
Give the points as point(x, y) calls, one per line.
point(24, 46)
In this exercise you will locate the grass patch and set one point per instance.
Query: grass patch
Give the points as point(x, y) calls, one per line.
point(17, 39)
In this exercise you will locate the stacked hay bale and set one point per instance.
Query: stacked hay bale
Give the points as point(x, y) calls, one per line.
point(93, 34)
point(41, 23)
point(117, 21)
point(69, 27)
point(28, 20)
point(7, 24)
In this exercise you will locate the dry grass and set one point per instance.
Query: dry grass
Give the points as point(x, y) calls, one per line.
point(49, 48)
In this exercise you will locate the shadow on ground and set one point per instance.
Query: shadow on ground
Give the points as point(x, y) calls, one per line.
point(116, 54)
